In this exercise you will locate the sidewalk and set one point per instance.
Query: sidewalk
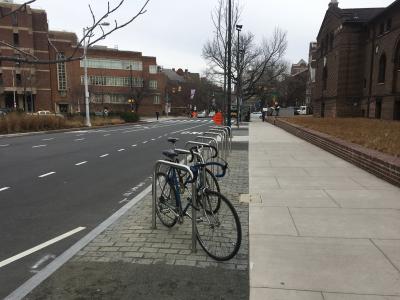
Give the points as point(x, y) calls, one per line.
point(320, 228)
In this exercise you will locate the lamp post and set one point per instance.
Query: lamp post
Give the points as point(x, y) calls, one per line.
point(85, 76)
point(238, 84)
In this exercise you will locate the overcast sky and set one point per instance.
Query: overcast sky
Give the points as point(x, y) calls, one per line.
point(175, 30)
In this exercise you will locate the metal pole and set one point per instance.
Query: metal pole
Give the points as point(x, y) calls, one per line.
point(238, 80)
point(229, 62)
point(85, 81)
point(13, 76)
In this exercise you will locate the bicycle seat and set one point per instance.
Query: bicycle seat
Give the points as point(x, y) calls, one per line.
point(173, 140)
point(171, 154)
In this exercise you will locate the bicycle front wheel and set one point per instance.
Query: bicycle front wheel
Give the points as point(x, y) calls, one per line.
point(219, 233)
point(165, 203)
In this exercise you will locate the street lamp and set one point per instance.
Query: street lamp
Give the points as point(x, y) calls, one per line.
point(229, 87)
point(85, 76)
point(238, 83)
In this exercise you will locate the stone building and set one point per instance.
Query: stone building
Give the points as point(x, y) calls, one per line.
point(357, 62)
point(118, 80)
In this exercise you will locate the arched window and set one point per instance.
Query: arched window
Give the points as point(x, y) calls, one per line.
point(382, 69)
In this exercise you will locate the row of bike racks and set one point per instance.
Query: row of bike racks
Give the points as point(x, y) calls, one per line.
point(218, 136)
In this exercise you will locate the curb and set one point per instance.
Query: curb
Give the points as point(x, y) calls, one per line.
point(63, 258)
point(382, 165)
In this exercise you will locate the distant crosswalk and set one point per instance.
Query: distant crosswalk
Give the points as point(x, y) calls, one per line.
point(189, 121)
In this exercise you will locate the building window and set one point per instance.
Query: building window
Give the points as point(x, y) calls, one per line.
point(153, 69)
point(113, 64)
point(16, 39)
point(381, 28)
point(388, 24)
point(61, 73)
point(14, 19)
point(382, 69)
point(18, 79)
point(113, 81)
point(156, 99)
point(153, 84)
point(378, 108)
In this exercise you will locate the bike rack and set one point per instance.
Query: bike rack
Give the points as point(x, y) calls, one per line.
point(229, 133)
point(227, 145)
point(221, 136)
point(157, 166)
point(211, 140)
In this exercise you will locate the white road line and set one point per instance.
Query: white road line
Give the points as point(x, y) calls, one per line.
point(39, 247)
point(5, 145)
point(49, 139)
point(104, 155)
point(153, 139)
point(144, 142)
point(107, 134)
point(134, 145)
point(4, 188)
point(47, 174)
point(160, 137)
point(81, 163)
point(120, 150)
point(124, 200)
point(39, 146)
point(36, 266)
point(76, 140)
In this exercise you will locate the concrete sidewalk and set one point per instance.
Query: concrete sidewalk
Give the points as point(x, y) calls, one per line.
point(320, 228)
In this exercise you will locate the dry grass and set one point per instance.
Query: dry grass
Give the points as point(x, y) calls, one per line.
point(15, 122)
point(383, 136)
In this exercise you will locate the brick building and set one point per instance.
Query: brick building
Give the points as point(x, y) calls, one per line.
point(179, 84)
point(357, 63)
point(115, 77)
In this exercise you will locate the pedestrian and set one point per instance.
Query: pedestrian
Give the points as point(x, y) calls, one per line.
point(157, 114)
point(277, 110)
point(263, 115)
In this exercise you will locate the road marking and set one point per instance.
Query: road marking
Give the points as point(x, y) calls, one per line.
point(153, 139)
point(47, 174)
point(4, 188)
point(107, 134)
point(39, 247)
point(123, 200)
point(145, 142)
point(34, 268)
point(104, 155)
point(39, 146)
point(81, 163)
point(134, 145)
point(120, 150)
point(76, 140)
point(49, 139)
point(5, 145)
point(160, 137)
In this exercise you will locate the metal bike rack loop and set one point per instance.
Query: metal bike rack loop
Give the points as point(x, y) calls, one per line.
point(221, 136)
point(157, 166)
point(226, 139)
point(229, 132)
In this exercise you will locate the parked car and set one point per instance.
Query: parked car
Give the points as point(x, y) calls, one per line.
point(255, 115)
point(202, 114)
point(44, 113)
point(4, 111)
point(303, 110)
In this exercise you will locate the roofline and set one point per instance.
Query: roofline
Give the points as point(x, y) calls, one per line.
point(384, 11)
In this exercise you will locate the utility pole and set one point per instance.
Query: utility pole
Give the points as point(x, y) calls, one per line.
point(85, 80)
point(229, 61)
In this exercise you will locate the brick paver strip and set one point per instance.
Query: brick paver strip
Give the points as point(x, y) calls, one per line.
point(131, 238)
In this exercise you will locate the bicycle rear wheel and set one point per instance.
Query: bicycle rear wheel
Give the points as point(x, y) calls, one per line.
point(219, 233)
point(165, 203)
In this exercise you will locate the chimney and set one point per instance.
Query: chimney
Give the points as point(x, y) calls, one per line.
point(334, 3)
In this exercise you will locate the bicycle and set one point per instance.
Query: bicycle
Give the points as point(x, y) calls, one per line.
point(211, 179)
point(218, 227)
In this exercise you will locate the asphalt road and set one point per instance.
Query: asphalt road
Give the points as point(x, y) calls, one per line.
point(62, 185)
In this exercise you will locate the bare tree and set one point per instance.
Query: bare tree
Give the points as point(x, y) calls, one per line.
point(258, 63)
point(94, 33)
